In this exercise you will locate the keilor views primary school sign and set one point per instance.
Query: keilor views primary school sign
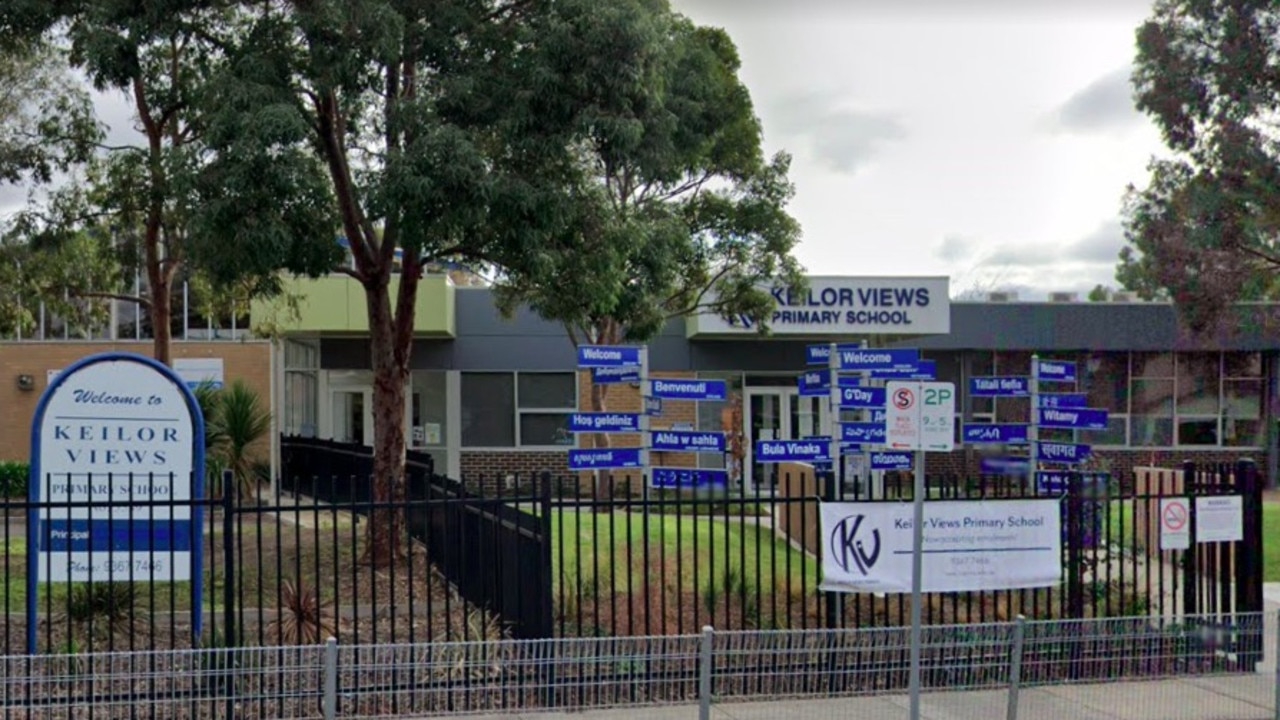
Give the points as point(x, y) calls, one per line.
point(117, 456)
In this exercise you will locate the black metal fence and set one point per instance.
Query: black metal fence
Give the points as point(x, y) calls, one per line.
point(553, 556)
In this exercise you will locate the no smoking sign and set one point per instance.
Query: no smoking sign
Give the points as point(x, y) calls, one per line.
point(1175, 524)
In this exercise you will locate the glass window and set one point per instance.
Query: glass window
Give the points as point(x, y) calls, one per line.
point(979, 364)
point(1152, 365)
point(1197, 431)
point(1242, 364)
point(1242, 413)
point(540, 391)
point(545, 429)
point(1104, 378)
point(428, 411)
point(488, 410)
point(1115, 434)
point(1151, 431)
point(301, 402)
point(1013, 363)
point(1198, 385)
point(1152, 397)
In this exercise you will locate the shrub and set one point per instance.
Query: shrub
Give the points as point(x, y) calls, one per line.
point(13, 478)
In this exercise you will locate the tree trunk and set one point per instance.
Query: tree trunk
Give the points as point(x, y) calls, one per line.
point(161, 313)
point(387, 526)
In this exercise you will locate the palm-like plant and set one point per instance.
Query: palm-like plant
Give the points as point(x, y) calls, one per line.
point(234, 419)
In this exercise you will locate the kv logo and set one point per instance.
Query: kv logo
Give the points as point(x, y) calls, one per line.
point(903, 398)
point(848, 548)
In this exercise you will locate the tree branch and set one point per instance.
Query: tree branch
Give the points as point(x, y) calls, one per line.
point(1266, 257)
point(87, 294)
point(697, 302)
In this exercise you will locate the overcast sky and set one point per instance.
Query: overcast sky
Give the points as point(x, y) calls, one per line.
point(992, 145)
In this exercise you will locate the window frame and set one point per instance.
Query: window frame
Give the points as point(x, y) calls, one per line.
point(518, 411)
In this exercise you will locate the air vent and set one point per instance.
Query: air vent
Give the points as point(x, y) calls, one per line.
point(1064, 297)
point(1002, 296)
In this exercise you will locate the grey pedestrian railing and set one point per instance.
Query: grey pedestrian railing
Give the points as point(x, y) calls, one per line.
point(1001, 663)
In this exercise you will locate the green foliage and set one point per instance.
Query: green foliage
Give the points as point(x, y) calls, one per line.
point(14, 477)
point(102, 609)
point(676, 209)
point(1204, 229)
point(235, 418)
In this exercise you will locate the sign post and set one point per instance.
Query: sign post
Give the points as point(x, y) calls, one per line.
point(1033, 429)
point(117, 470)
point(919, 416)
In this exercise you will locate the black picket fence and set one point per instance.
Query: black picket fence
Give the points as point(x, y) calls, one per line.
point(562, 556)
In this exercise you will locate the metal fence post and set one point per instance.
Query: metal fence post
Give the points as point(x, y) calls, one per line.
point(704, 675)
point(1276, 660)
point(331, 678)
point(1015, 667)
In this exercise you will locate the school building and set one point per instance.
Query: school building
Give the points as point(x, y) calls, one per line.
point(492, 395)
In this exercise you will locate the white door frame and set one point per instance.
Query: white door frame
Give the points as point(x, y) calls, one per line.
point(785, 430)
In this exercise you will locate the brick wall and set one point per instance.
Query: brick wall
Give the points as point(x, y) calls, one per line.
point(247, 361)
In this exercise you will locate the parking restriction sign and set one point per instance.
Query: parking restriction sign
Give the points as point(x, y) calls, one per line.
point(1175, 524)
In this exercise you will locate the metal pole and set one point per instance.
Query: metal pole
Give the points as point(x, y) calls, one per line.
point(704, 675)
point(1015, 668)
point(331, 679)
point(1033, 428)
point(1277, 662)
point(832, 425)
point(917, 580)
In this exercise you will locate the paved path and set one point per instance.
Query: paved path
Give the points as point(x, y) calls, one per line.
point(1225, 698)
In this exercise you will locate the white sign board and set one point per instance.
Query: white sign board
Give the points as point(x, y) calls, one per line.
point(193, 371)
point(920, 416)
point(842, 306)
point(200, 370)
point(1175, 523)
point(989, 545)
point(1219, 518)
point(115, 432)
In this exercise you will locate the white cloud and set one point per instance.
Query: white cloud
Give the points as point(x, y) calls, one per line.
point(1104, 105)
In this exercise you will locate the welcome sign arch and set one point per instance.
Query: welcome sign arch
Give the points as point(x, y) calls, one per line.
point(117, 476)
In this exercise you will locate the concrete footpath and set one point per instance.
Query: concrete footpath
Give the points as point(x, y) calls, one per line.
point(1224, 698)
point(1233, 697)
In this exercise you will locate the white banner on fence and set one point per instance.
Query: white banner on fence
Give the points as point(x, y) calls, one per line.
point(968, 545)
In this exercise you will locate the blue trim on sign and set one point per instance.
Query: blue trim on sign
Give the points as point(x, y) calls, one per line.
point(197, 489)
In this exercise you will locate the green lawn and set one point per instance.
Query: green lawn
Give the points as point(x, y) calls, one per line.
point(608, 549)
point(1121, 521)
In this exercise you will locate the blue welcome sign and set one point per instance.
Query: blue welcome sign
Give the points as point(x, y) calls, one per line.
point(690, 389)
point(596, 459)
point(1057, 371)
point(604, 356)
point(121, 437)
point(1004, 433)
point(669, 477)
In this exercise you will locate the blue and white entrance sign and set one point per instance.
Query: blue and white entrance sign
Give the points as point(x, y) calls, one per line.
point(604, 422)
point(604, 458)
point(811, 450)
point(1057, 371)
point(920, 370)
point(991, 545)
point(999, 386)
point(122, 437)
point(614, 375)
point(1079, 418)
point(866, 433)
point(860, 397)
point(817, 383)
point(685, 441)
point(1004, 433)
point(1062, 400)
point(665, 477)
point(890, 461)
point(1003, 466)
point(690, 389)
point(1063, 452)
point(653, 406)
point(862, 359)
point(603, 356)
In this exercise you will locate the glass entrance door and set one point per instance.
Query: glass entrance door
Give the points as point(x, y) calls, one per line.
point(352, 416)
point(778, 413)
